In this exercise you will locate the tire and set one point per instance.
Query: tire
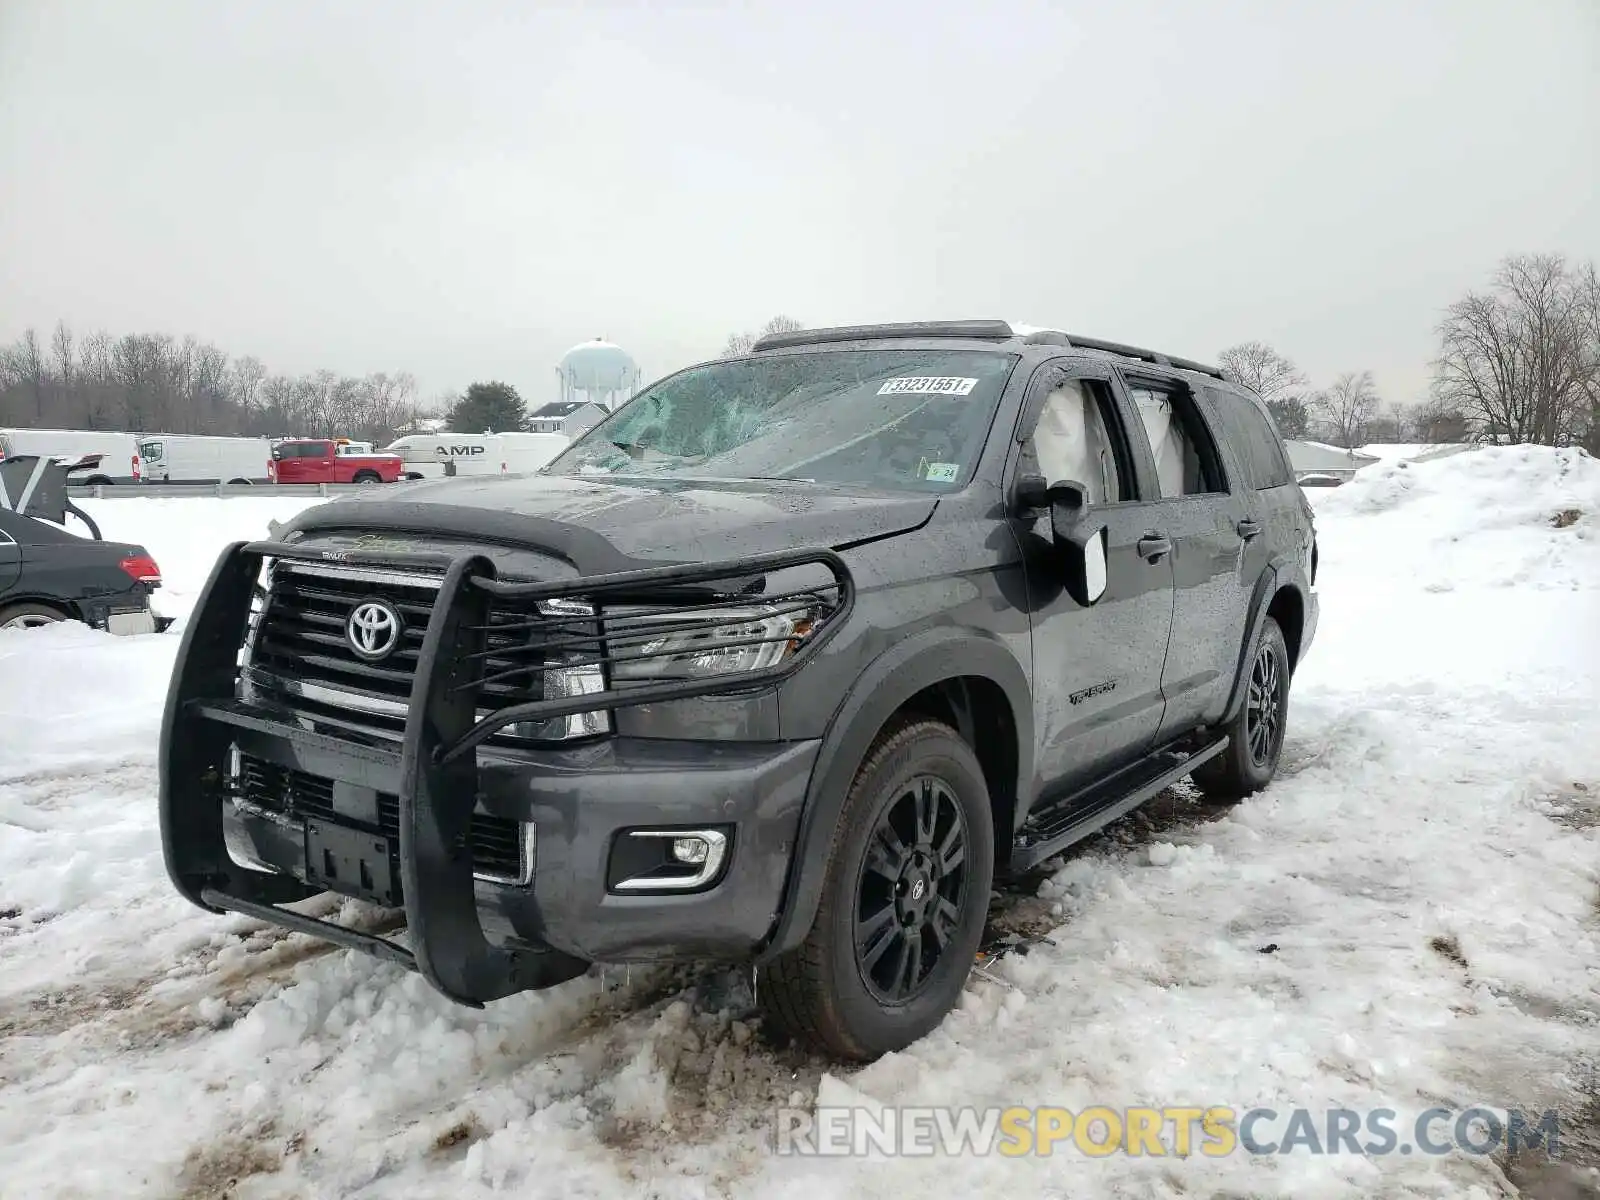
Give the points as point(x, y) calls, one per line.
point(826, 993)
point(1251, 759)
point(238, 482)
point(366, 478)
point(99, 481)
point(29, 616)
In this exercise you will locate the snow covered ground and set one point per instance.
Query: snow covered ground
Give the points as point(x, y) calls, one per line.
point(1410, 916)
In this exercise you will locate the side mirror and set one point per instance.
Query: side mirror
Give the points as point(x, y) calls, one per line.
point(1069, 505)
point(1082, 544)
point(1032, 495)
point(1084, 565)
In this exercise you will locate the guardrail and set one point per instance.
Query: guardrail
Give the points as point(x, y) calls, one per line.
point(136, 491)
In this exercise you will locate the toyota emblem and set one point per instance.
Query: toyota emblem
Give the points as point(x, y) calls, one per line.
point(373, 630)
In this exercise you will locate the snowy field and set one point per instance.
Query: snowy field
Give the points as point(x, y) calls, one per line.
point(1409, 917)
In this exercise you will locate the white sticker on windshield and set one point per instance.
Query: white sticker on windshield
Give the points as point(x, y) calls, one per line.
point(942, 472)
point(944, 385)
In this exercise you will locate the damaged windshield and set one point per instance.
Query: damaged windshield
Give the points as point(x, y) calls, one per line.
point(901, 419)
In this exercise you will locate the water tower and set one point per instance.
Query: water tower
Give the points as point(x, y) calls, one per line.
point(599, 371)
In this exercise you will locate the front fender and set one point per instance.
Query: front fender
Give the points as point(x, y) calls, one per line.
point(891, 679)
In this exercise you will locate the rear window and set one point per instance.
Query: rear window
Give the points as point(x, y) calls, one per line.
point(1255, 440)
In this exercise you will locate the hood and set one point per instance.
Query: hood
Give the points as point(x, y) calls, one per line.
point(600, 525)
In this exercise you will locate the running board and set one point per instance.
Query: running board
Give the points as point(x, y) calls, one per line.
point(1076, 816)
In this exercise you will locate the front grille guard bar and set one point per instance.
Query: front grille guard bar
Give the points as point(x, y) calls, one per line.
point(435, 777)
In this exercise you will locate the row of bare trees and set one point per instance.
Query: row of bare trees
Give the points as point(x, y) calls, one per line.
point(1346, 412)
point(146, 383)
point(1518, 362)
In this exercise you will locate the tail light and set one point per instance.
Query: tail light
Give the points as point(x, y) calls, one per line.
point(136, 468)
point(142, 568)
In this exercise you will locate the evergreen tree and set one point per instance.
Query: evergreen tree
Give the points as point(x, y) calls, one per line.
point(489, 408)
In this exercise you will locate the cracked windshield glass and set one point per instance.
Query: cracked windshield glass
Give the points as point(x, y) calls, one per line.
point(883, 419)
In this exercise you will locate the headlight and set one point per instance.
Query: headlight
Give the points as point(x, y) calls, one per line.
point(564, 682)
point(699, 643)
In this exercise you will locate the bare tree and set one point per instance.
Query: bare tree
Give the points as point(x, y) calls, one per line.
point(741, 343)
point(1281, 384)
point(1522, 360)
point(1263, 370)
point(248, 374)
point(63, 353)
point(26, 363)
point(1348, 406)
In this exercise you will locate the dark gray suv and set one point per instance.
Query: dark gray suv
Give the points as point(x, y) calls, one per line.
point(783, 662)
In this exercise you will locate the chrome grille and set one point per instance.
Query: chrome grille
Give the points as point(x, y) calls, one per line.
point(299, 658)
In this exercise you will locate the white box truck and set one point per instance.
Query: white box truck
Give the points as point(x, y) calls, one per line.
point(435, 455)
point(194, 458)
point(119, 452)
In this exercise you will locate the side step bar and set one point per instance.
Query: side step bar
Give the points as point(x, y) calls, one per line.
point(1077, 816)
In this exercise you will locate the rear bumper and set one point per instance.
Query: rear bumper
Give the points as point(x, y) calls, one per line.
point(129, 613)
point(402, 823)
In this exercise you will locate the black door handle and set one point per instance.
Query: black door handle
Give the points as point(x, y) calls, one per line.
point(1154, 546)
point(1249, 529)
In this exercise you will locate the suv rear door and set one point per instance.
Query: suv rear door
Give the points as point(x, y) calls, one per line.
point(1272, 500)
point(1201, 513)
point(1096, 669)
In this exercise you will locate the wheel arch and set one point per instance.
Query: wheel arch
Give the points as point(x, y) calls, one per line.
point(66, 608)
point(1277, 595)
point(956, 675)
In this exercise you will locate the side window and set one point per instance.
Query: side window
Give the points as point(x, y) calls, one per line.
point(1078, 437)
point(1255, 440)
point(1186, 461)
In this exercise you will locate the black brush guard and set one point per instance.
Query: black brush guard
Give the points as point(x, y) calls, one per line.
point(433, 769)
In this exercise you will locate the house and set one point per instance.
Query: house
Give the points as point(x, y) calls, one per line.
point(1319, 458)
point(570, 417)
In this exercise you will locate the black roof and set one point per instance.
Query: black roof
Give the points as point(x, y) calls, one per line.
point(983, 331)
point(560, 408)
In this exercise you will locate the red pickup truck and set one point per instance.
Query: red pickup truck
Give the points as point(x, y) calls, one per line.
point(319, 461)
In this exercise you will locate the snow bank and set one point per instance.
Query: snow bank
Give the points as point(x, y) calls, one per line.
point(1525, 516)
point(1413, 451)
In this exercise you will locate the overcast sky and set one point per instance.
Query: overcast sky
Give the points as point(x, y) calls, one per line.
point(466, 190)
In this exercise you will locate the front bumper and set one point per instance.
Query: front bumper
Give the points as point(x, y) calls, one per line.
point(570, 810)
point(397, 824)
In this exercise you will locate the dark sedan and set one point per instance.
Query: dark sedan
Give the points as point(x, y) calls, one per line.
point(49, 574)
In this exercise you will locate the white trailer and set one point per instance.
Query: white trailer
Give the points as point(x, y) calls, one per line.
point(433, 455)
point(194, 458)
point(119, 452)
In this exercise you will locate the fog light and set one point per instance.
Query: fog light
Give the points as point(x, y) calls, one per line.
point(690, 849)
point(666, 860)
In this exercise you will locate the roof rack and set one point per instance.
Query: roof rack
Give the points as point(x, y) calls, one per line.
point(983, 331)
point(1143, 355)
